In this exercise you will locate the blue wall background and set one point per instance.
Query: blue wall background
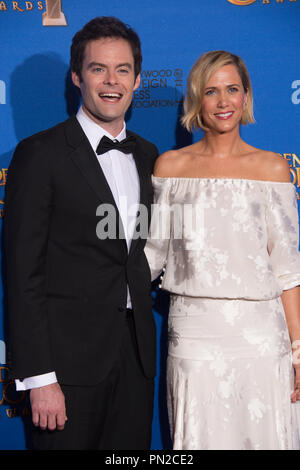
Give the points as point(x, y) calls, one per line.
point(36, 93)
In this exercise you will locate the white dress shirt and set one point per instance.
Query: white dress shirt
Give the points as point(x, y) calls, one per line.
point(122, 176)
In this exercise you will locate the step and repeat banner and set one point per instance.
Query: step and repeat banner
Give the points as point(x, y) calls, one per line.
point(36, 92)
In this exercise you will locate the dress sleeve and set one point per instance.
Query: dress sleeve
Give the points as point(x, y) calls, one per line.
point(283, 234)
point(157, 245)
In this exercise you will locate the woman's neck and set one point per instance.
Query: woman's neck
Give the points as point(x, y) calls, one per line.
point(222, 145)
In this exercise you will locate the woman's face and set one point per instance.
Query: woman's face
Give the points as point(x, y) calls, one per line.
point(224, 100)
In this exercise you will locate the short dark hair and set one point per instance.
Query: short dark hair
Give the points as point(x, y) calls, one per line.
point(104, 27)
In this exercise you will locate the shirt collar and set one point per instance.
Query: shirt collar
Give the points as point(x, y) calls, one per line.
point(94, 132)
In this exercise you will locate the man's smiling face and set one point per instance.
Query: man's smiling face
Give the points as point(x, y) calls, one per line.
point(107, 82)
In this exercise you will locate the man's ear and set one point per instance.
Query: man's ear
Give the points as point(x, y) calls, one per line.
point(75, 79)
point(137, 82)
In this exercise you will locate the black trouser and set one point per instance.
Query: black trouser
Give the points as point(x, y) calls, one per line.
point(116, 414)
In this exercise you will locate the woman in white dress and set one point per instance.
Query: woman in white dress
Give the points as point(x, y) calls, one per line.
point(225, 232)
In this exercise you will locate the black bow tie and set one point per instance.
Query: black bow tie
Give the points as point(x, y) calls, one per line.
point(126, 146)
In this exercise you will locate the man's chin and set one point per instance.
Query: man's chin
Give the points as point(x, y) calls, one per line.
point(101, 117)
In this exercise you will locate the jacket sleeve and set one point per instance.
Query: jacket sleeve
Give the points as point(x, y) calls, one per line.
point(27, 218)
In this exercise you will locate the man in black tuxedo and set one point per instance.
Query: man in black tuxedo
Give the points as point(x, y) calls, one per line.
point(82, 334)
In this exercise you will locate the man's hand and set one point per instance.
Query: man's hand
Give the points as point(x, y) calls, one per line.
point(48, 407)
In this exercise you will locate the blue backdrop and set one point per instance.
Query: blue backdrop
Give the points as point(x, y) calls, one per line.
point(36, 93)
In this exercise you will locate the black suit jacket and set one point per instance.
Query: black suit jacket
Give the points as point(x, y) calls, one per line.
point(67, 289)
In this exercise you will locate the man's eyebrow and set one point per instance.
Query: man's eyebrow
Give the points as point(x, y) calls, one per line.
point(98, 64)
point(125, 64)
point(95, 64)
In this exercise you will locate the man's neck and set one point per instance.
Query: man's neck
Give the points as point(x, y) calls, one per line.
point(112, 127)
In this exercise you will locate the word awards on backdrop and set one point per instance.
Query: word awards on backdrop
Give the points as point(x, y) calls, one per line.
point(53, 14)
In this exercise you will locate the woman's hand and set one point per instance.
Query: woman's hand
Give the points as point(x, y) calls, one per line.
point(296, 393)
point(296, 363)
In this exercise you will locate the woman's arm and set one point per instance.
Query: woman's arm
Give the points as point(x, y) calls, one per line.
point(291, 303)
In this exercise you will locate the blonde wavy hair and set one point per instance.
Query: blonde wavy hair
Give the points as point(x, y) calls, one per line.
point(202, 70)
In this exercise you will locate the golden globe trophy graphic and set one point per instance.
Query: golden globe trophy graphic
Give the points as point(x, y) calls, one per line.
point(53, 15)
point(242, 2)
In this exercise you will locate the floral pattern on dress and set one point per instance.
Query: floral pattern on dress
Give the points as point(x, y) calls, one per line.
point(229, 368)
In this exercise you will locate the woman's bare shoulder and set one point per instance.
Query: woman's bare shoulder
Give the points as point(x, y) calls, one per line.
point(274, 167)
point(268, 166)
point(169, 164)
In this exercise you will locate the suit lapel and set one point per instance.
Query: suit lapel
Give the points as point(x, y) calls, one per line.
point(85, 159)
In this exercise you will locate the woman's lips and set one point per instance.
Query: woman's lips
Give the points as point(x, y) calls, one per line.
point(224, 116)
